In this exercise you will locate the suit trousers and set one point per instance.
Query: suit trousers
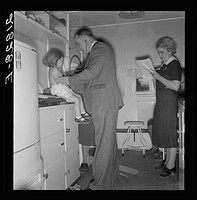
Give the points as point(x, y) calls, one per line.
point(106, 161)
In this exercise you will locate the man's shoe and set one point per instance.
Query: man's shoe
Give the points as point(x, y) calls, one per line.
point(83, 168)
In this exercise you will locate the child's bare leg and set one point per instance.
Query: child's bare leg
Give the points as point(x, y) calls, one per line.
point(76, 100)
point(82, 108)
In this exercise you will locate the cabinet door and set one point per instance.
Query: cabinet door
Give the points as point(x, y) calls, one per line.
point(55, 175)
point(26, 129)
point(71, 167)
point(52, 147)
point(51, 121)
point(70, 128)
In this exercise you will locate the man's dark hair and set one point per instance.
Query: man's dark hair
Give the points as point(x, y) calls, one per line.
point(84, 30)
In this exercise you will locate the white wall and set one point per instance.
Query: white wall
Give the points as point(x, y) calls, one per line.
point(134, 40)
point(138, 39)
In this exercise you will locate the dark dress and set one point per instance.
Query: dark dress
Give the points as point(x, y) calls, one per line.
point(166, 107)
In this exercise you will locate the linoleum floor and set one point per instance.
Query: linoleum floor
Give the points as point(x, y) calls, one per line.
point(146, 178)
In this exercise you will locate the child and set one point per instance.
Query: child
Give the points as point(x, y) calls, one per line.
point(54, 59)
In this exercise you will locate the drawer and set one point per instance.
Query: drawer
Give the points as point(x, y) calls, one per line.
point(71, 130)
point(51, 122)
point(72, 166)
point(52, 147)
point(55, 173)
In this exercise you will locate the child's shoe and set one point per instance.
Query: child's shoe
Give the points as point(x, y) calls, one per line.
point(81, 120)
point(86, 115)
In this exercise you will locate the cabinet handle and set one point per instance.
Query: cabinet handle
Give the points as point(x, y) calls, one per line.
point(66, 173)
point(62, 144)
point(18, 60)
point(60, 120)
point(67, 130)
point(46, 176)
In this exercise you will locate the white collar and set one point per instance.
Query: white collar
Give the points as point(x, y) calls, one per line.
point(170, 60)
point(92, 44)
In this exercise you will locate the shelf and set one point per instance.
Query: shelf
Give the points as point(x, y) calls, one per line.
point(35, 30)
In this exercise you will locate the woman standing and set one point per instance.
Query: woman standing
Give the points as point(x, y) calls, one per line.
point(167, 82)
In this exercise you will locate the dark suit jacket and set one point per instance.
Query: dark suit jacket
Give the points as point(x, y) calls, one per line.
point(101, 90)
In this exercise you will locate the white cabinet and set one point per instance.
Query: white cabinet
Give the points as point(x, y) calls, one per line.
point(71, 166)
point(59, 145)
point(26, 129)
point(27, 164)
point(71, 146)
point(52, 147)
point(51, 121)
point(71, 129)
point(55, 173)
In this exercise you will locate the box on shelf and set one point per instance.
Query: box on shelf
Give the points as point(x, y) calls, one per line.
point(41, 17)
point(58, 25)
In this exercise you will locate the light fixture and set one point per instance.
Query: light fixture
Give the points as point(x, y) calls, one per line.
point(131, 14)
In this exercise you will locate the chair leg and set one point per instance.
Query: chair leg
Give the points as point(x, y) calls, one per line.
point(143, 150)
point(163, 153)
point(122, 151)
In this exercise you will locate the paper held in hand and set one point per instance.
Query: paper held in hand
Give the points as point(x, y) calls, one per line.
point(146, 63)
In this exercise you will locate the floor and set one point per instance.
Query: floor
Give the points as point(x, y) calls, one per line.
point(147, 177)
point(140, 174)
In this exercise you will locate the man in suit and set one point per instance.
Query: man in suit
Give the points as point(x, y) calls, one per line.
point(102, 100)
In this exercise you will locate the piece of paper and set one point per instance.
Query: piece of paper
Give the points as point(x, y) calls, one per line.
point(128, 169)
point(146, 63)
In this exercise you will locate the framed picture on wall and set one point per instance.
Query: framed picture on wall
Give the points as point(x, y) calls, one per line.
point(143, 86)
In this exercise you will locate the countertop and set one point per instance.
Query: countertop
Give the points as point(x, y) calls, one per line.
point(51, 101)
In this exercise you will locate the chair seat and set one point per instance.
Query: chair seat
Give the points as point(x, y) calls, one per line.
point(134, 123)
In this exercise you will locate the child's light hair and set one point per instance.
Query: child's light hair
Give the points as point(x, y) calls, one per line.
point(52, 56)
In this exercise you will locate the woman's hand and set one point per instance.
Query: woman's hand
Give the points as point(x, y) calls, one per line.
point(171, 84)
point(155, 75)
